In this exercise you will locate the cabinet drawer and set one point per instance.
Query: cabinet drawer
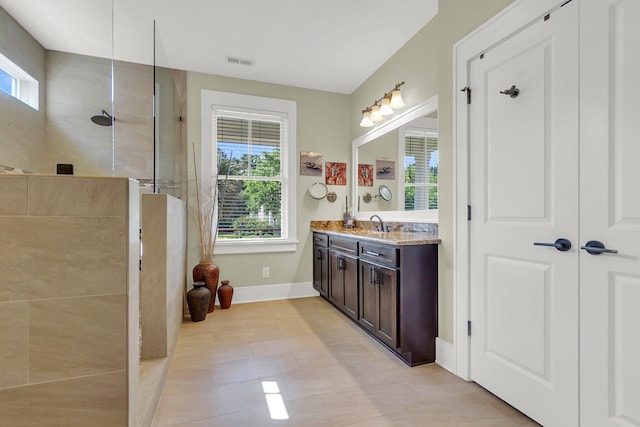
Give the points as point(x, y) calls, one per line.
point(387, 255)
point(321, 240)
point(344, 244)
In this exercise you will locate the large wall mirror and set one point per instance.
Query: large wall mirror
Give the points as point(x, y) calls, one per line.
point(395, 167)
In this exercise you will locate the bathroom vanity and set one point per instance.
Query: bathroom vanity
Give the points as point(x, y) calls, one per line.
point(385, 281)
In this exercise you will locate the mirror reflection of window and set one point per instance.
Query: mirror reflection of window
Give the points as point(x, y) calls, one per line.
point(421, 170)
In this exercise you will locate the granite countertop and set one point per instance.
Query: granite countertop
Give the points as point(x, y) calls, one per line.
point(365, 231)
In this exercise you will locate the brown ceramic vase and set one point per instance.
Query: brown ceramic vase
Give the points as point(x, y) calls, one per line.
point(225, 294)
point(208, 273)
point(198, 300)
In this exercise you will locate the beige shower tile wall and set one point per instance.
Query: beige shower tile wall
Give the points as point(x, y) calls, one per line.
point(14, 350)
point(176, 267)
point(163, 272)
point(13, 199)
point(133, 304)
point(90, 337)
point(98, 400)
point(68, 300)
point(162, 292)
point(153, 320)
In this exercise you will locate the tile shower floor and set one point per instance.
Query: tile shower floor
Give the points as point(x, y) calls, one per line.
point(317, 367)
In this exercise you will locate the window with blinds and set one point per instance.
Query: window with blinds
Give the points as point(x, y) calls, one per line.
point(421, 171)
point(250, 154)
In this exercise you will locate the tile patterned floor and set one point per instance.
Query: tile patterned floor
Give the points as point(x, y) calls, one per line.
point(328, 371)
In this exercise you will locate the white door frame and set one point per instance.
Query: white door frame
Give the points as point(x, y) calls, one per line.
point(512, 19)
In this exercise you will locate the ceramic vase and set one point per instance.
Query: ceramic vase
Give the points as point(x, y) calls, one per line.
point(198, 300)
point(225, 294)
point(207, 272)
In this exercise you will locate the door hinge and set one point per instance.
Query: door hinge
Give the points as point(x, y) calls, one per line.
point(140, 265)
point(469, 328)
point(468, 90)
point(140, 233)
point(468, 212)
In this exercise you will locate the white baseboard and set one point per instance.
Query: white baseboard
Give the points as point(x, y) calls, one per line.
point(445, 355)
point(243, 294)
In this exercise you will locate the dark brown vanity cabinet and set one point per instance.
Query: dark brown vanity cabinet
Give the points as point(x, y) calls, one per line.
point(321, 264)
point(343, 274)
point(378, 301)
point(390, 290)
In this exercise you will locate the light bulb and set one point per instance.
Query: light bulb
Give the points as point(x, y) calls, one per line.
point(366, 119)
point(385, 108)
point(396, 99)
point(375, 113)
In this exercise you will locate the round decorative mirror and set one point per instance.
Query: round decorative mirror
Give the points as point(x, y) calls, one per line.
point(318, 191)
point(385, 192)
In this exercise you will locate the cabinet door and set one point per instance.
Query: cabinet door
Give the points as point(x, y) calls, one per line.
point(336, 278)
point(321, 270)
point(350, 280)
point(387, 284)
point(368, 296)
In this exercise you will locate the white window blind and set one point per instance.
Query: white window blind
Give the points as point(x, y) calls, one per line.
point(421, 171)
point(251, 156)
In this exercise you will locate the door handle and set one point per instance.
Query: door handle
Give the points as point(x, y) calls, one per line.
point(596, 248)
point(513, 91)
point(561, 244)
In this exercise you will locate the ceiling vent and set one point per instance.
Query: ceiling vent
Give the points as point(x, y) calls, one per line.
point(240, 61)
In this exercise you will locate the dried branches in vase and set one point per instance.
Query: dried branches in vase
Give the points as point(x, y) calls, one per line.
point(207, 218)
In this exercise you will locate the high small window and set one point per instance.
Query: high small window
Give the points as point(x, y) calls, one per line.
point(18, 83)
point(249, 143)
point(421, 170)
point(8, 83)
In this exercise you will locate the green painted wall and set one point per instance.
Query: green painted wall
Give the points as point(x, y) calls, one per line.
point(323, 125)
point(425, 63)
point(328, 122)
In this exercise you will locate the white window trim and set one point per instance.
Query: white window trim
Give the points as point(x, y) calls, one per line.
point(212, 100)
point(28, 88)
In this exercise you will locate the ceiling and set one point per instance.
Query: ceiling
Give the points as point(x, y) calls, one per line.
point(331, 45)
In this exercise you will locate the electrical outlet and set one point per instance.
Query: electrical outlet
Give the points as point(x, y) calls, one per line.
point(266, 272)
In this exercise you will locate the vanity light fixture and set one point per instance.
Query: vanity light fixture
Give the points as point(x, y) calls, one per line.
point(396, 98)
point(376, 116)
point(385, 108)
point(382, 107)
point(366, 118)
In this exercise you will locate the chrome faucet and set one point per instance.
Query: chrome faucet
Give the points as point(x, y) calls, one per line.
point(379, 227)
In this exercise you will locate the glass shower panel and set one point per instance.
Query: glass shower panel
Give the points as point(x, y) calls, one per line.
point(169, 146)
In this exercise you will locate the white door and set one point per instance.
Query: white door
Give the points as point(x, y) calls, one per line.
point(610, 212)
point(524, 189)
